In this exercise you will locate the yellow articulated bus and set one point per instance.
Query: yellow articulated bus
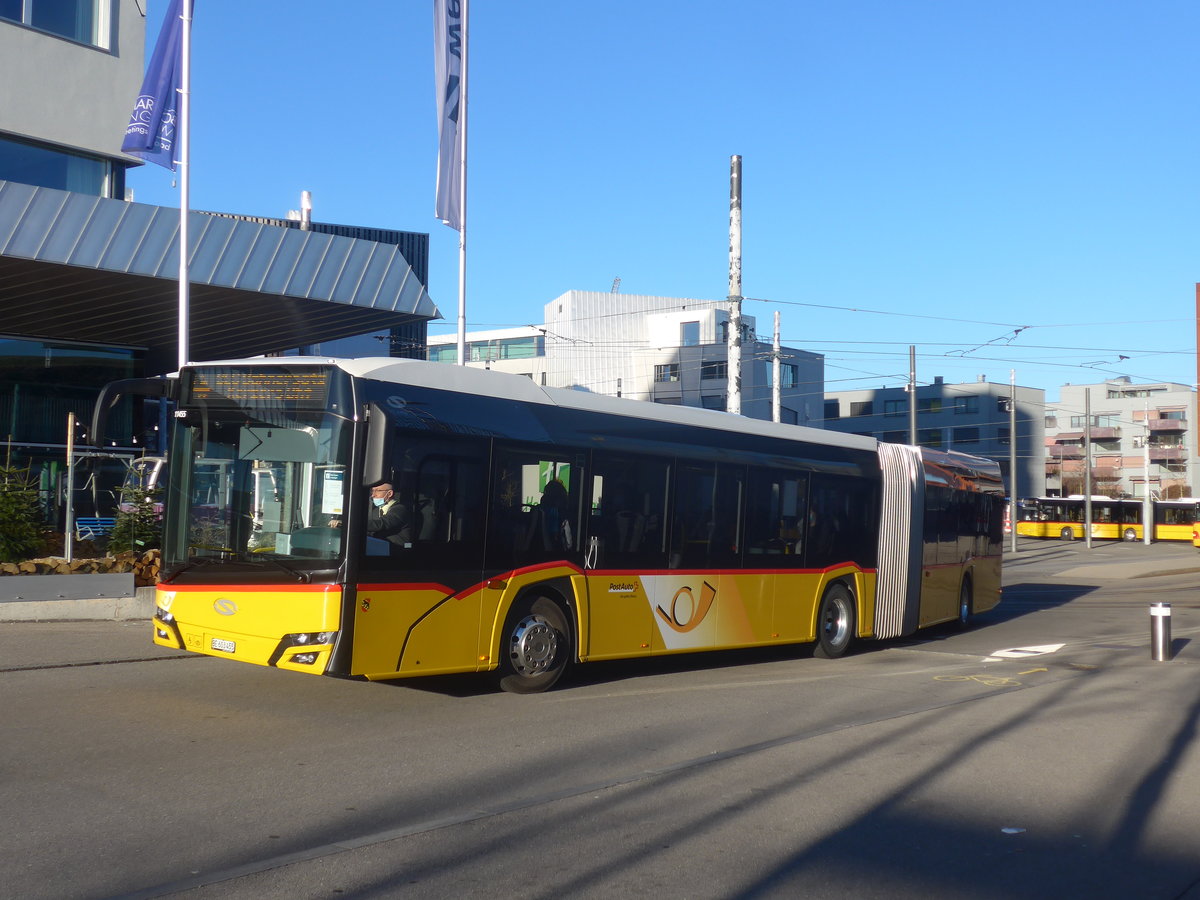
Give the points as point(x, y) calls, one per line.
point(386, 518)
point(1063, 518)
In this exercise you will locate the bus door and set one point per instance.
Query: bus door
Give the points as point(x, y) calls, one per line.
point(704, 601)
point(626, 543)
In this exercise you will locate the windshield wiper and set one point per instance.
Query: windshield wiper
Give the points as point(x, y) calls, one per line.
point(300, 576)
point(192, 563)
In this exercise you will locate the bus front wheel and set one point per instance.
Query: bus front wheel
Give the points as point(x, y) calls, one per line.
point(1130, 534)
point(1067, 534)
point(534, 647)
point(835, 623)
point(965, 604)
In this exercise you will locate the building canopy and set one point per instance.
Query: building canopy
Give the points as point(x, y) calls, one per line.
point(78, 267)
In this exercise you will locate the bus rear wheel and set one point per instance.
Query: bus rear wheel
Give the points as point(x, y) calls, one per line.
point(534, 647)
point(1130, 534)
point(835, 623)
point(1068, 533)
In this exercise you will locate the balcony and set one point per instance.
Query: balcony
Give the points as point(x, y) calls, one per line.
point(1167, 426)
point(1098, 433)
point(1063, 451)
point(1168, 454)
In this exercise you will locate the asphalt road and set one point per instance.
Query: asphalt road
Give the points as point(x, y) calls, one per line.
point(958, 764)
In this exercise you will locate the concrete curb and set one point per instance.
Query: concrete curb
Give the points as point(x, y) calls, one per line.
point(139, 606)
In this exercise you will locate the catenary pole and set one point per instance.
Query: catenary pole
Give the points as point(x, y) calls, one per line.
point(1087, 467)
point(912, 394)
point(776, 387)
point(733, 396)
point(1147, 500)
point(1012, 456)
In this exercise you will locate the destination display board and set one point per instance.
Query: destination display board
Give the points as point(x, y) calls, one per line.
point(276, 387)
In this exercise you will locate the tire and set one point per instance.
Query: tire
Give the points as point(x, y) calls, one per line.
point(535, 646)
point(966, 604)
point(835, 623)
point(1067, 534)
point(1129, 534)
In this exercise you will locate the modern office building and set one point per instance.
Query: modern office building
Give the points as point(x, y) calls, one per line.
point(89, 282)
point(1142, 439)
point(972, 417)
point(662, 349)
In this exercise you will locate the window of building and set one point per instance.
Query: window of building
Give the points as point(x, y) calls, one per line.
point(895, 407)
point(966, 435)
point(1102, 421)
point(84, 21)
point(1002, 435)
point(1175, 414)
point(929, 405)
point(968, 405)
point(895, 437)
point(689, 334)
point(714, 369)
point(929, 437)
point(833, 410)
point(789, 375)
point(713, 401)
point(1051, 420)
point(669, 401)
point(788, 416)
point(444, 353)
point(42, 166)
point(861, 408)
point(507, 348)
point(667, 372)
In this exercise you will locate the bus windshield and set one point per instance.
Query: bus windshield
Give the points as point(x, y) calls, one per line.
point(261, 490)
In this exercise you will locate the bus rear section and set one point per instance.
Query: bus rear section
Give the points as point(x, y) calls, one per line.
point(940, 539)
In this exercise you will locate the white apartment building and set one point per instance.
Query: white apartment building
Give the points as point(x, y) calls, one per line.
point(662, 349)
point(1143, 437)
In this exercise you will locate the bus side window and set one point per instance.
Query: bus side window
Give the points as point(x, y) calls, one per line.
point(534, 509)
point(628, 505)
point(776, 514)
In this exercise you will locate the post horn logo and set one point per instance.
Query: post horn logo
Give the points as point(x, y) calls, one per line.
point(225, 607)
point(695, 612)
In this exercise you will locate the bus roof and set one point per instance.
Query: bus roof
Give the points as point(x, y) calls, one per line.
point(503, 385)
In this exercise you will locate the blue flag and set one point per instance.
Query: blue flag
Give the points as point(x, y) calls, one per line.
point(151, 130)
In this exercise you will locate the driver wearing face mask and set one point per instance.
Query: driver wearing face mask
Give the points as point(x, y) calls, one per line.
point(388, 518)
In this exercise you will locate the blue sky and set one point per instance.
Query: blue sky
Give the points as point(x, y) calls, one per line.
point(930, 172)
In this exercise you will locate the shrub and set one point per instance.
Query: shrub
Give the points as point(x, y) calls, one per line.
point(20, 515)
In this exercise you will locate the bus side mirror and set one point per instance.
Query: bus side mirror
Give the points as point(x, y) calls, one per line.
point(376, 466)
point(115, 391)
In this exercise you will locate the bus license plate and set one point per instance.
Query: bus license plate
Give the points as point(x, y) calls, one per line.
point(223, 645)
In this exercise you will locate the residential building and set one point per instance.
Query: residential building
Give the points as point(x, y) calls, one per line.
point(1142, 438)
point(662, 349)
point(973, 418)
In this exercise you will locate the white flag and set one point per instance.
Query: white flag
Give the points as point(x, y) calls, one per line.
point(449, 26)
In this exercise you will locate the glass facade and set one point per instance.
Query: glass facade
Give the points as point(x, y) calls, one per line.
point(500, 348)
point(76, 20)
point(42, 381)
point(49, 167)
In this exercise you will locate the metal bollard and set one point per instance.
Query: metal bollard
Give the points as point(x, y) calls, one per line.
point(1160, 631)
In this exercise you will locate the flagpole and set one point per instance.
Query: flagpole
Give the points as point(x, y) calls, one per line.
point(185, 176)
point(462, 198)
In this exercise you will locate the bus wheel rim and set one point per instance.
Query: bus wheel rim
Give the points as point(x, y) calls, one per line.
point(534, 646)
